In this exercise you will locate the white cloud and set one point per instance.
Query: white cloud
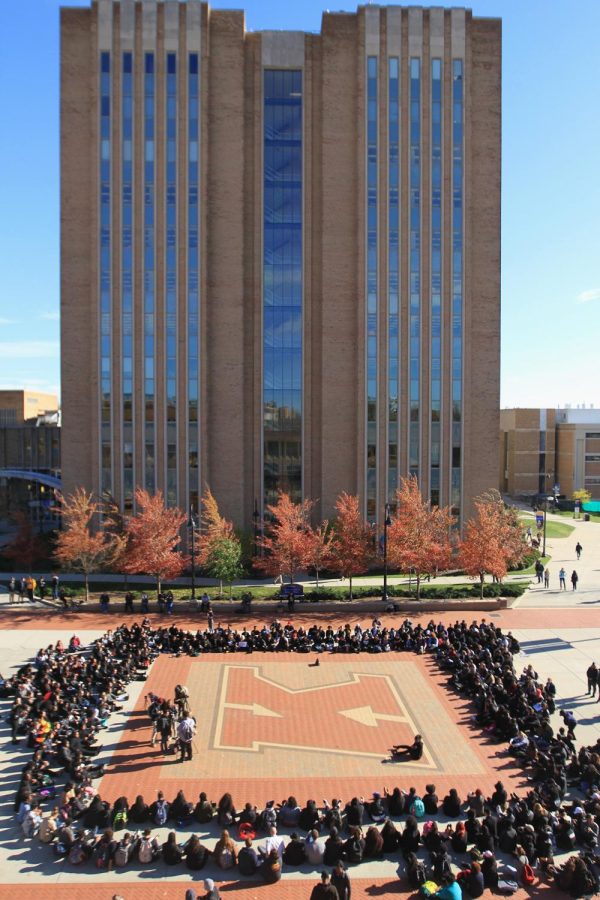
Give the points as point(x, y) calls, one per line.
point(51, 316)
point(29, 350)
point(586, 296)
point(7, 321)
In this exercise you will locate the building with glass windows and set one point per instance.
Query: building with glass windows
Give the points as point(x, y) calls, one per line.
point(280, 254)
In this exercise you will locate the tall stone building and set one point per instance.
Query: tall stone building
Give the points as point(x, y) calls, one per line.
point(280, 254)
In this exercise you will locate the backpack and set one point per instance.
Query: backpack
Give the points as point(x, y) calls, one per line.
point(417, 808)
point(162, 812)
point(122, 854)
point(102, 855)
point(527, 876)
point(268, 817)
point(120, 819)
point(428, 888)
point(76, 854)
point(507, 887)
point(145, 852)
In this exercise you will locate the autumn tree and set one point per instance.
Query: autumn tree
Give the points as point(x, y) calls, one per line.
point(419, 534)
point(84, 544)
point(319, 549)
point(154, 538)
point(213, 527)
point(285, 545)
point(508, 525)
point(224, 561)
point(482, 550)
point(27, 547)
point(352, 544)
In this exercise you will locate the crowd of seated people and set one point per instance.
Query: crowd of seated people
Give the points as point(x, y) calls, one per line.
point(62, 701)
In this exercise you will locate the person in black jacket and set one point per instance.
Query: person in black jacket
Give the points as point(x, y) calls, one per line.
point(248, 861)
point(310, 817)
point(340, 881)
point(172, 853)
point(395, 802)
point(204, 811)
point(410, 838)
point(452, 804)
point(430, 800)
point(390, 836)
point(196, 854)
point(139, 812)
point(334, 848)
point(294, 853)
point(355, 812)
point(354, 847)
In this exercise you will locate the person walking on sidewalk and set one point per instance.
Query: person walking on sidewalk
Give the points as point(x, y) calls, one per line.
point(592, 679)
point(546, 577)
point(574, 579)
point(578, 549)
point(539, 570)
point(562, 580)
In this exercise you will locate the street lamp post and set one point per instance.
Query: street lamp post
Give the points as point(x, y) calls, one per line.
point(386, 523)
point(192, 527)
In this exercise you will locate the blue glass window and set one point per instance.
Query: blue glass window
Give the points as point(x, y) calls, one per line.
point(436, 279)
point(193, 278)
point(105, 272)
point(282, 284)
point(393, 271)
point(457, 280)
point(415, 266)
point(149, 283)
point(171, 276)
point(127, 278)
point(372, 284)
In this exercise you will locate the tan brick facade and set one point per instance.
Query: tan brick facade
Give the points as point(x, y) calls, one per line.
point(334, 310)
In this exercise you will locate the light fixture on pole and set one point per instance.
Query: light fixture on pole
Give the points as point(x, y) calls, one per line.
point(386, 524)
point(192, 525)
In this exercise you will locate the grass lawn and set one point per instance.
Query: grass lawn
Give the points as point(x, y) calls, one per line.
point(553, 529)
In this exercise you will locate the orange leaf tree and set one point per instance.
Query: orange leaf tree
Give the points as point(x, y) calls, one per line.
point(352, 545)
point(214, 528)
point(26, 548)
point(483, 550)
point(419, 536)
point(153, 539)
point(84, 545)
point(286, 543)
point(319, 551)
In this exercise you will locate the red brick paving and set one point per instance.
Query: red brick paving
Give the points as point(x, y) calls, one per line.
point(154, 889)
point(564, 617)
point(469, 761)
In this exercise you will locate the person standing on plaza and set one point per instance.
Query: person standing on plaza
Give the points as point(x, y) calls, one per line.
point(578, 549)
point(546, 577)
point(12, 590)
point(210, 619)
point(592, 679)
point(164, 729)
point(574, 579)
point(55, 583)
point(325, 890)
point(341, 882)
point(562, 580)
point(185, 735)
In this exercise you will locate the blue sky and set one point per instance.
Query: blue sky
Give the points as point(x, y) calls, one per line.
point(551, 191)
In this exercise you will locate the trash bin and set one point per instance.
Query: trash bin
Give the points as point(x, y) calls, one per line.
point(586, 517)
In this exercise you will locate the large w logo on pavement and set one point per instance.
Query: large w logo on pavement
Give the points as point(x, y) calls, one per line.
point(363, 716)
